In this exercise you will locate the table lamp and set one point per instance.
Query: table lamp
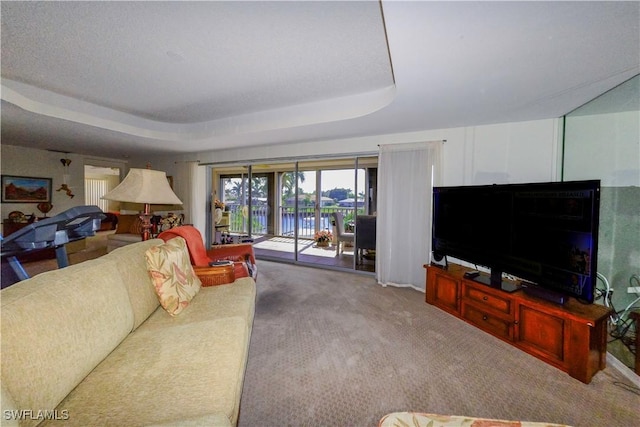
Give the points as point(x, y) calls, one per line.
point(145, 186)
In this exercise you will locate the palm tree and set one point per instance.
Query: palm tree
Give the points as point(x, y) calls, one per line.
point(234, 188)
point(289, 183)
point(258, 187)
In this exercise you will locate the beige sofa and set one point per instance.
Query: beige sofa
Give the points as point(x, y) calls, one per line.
point(89, 345)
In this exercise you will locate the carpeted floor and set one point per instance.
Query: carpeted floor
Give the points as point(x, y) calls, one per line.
point(333, 348)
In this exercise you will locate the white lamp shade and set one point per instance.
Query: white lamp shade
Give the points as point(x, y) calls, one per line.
point(144, 186)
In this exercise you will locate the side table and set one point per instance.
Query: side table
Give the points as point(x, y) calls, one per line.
point(216, 275)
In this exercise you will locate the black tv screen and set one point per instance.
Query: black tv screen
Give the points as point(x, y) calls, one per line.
point(543, 233)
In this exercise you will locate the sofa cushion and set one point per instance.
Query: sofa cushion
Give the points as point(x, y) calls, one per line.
point(8, 405)
point(182, 372)
point(133, 269)
point(212, 303)
point(57, 326)
point(172, 275)
point(214, 420)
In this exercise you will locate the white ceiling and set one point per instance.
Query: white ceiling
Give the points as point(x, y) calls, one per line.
point(123, 78)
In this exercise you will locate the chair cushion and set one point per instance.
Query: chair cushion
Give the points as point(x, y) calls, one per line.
point(172, 275)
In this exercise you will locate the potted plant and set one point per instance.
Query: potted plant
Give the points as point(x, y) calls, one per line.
point(323, 238)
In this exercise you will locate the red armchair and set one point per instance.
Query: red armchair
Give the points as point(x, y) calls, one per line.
point(241, 254)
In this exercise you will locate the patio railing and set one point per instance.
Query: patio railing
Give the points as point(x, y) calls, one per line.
point(286, 219)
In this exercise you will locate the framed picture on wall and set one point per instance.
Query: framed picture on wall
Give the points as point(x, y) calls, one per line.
point(25, 189)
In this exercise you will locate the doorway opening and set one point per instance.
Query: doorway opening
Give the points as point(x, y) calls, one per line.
point(98, 181)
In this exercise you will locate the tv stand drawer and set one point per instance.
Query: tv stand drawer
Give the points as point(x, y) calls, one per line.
point(484, 296)
point(487, 321)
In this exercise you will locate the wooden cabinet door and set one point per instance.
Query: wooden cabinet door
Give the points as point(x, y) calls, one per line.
point(542, 334)
point(443, 291)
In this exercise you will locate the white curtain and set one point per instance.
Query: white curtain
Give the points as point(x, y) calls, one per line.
point(185, 188)
point(407, 174)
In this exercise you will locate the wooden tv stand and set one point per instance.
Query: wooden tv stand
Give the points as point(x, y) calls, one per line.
point(571, 337)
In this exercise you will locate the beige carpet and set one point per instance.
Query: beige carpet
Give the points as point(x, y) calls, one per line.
point(336, 349)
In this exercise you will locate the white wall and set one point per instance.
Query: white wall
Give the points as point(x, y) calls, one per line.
point(46, 164)
point(501, 153)
point(605, 147)
point(510, 153)
point(602, 141)
point(43, 164)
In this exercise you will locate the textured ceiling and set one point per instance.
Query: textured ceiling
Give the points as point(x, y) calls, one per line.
point(122, 78)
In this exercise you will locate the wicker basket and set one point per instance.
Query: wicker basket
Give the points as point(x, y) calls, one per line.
point(216, 275)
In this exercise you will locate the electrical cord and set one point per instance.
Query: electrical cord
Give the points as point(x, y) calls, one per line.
point(617, 315)
point(631, 305)
point(606, 295)
point(607, 287)
point(620, 323)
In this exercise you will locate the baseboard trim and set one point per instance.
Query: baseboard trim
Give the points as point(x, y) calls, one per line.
point(623, 369)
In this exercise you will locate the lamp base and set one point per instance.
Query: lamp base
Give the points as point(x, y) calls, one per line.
point(145, 217)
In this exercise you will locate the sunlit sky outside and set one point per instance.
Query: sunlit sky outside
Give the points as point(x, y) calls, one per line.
point(333, 179)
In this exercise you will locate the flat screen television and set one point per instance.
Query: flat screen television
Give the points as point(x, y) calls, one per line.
point(543, 233)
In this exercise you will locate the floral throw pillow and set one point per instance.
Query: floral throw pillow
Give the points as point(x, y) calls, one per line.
point(172, 275)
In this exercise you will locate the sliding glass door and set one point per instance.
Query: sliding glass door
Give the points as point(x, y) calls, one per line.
point(286, 207)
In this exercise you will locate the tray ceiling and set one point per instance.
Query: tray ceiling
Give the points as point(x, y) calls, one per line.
point(124, 78)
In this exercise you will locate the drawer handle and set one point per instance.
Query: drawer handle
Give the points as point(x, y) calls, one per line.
point(485, 298)
point(484, 317)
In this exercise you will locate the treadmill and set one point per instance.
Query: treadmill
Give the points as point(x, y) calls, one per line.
point(54, 232)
